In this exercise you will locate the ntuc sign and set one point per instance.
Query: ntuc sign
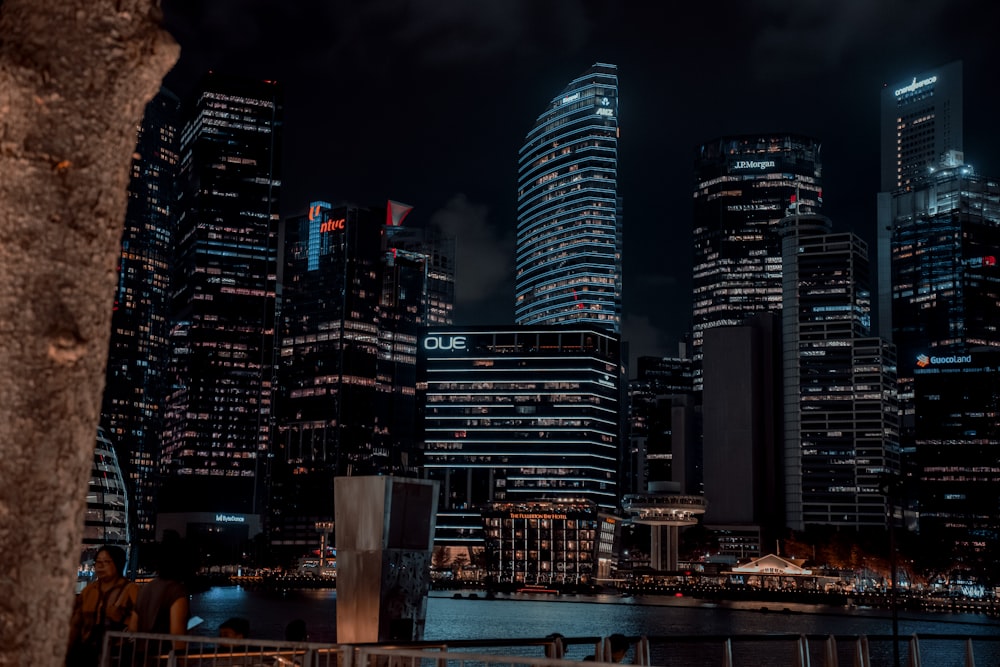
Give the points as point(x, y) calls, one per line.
point(333, 225)
point(445, 343)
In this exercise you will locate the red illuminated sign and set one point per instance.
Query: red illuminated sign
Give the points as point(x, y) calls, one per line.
point(333, 225)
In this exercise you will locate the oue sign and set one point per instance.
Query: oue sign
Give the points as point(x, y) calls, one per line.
point(445, 343)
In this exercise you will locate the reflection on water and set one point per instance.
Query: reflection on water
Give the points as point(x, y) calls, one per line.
point(578, 616)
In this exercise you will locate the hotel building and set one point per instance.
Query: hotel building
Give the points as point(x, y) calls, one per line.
point(543, 542)
point(519, 414)
point(569, 225)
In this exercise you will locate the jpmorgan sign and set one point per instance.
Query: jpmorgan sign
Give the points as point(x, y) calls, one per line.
point(445, 343)
point(753, 164)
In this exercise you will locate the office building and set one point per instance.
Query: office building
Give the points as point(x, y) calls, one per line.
point(945, 240)
point(217, 431)
point(840, 412)
point(440, 252)
point(958, 457)
point(664, 424)
point(743, 185)
point(921, 129)
point(569, 224)
point(352, 304)
point(519, 414)
point(742, 411)
point(138, 351)
point(921, 120)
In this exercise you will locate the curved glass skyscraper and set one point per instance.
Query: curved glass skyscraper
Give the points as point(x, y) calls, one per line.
point(569, 234)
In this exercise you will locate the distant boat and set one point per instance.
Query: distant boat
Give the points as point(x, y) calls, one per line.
point(106, 521)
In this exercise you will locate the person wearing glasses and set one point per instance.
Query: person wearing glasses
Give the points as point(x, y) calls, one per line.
point(105, 604)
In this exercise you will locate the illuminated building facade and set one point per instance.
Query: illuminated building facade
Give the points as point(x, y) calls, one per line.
point(519, 414)
point(921, 120)
point(351, 307)
point(921, 129)
point(217, 430)
point(440, 252)
point(107, 517)
point(743, 186)
point(542, 542)
point(958, 456)
point(945, 279)
point(131, 412)
point(841, 429)
point(569, 225)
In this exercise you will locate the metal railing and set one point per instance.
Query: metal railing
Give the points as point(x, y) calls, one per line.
point(136, 649)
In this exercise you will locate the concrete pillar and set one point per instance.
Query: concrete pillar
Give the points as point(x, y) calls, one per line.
point(385, 535)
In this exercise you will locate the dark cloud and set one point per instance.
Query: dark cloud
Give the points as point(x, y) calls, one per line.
point(798, 38)
point(645, 340)
point(485, 253)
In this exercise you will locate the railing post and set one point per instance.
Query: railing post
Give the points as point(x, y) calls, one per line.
point(727, 653)
point(970, 658)
point(642, 651)
point(914, 651)
point(830, 652)
point(802, 652)
point(861, 656)
point(605, 655)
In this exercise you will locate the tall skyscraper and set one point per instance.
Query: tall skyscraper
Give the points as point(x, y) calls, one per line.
point(743, 186)
point(519, 414)
point(958, 458)
point(351, 306)
point(841, 429)
point(945, 240)
point(218, 412)
point(741, 412)
point(569, 223)
point(131, 413)
point(921, 129)
point(921, 121)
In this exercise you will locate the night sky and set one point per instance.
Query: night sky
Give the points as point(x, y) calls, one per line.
point(427, 102)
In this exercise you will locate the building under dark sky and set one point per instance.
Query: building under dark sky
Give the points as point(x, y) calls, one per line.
point(428, 103)
point(217, 428)
point(569, 219)
point(519, 414)
point(743, 188)
point(351, 310)
point(135, 385)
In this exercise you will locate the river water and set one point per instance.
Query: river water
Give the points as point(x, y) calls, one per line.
point(580, 616)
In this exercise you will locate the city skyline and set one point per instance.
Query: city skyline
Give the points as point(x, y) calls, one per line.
point(439, 98)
